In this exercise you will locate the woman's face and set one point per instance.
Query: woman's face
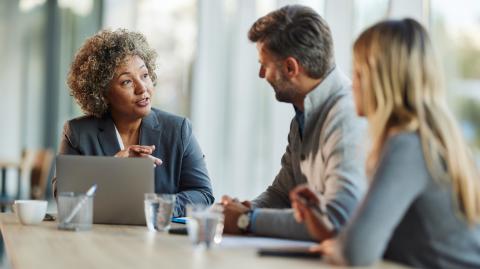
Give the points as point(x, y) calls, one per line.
point(131, 89)
point(357, 89)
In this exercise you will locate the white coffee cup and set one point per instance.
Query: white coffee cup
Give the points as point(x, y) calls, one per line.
point(30, 211)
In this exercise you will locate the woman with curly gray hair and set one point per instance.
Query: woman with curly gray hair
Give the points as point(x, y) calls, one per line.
point(112, 79)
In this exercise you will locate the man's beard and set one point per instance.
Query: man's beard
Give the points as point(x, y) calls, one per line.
point(284, 90)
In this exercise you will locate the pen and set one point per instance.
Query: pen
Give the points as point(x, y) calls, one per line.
point(311, 204)
point(319, 214)
point(79, 205)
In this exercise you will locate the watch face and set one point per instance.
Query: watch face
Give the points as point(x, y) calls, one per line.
point(243, 221)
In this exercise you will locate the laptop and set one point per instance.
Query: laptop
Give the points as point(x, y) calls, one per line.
point(121, 185)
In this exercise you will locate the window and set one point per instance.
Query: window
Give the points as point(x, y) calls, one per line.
point(455, 28)
point(171, 29)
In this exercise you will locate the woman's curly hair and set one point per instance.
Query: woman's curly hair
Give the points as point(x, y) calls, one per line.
point(94, 66)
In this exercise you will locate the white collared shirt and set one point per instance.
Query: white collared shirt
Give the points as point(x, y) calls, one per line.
point(119, 138)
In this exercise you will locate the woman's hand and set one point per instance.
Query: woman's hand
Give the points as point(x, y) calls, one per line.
point(298, 197)
point(331, 251)
point(304, 203)
point(139, 151)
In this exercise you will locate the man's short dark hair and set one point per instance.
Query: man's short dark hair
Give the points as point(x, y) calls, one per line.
point(300, 32)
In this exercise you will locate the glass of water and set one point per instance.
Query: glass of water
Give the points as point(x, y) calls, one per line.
point(205, 224)
point(82, 218)
point(159, 210)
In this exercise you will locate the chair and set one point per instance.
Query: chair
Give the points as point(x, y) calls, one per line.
point(40, 174)
point(33, 172)
point(5, 199)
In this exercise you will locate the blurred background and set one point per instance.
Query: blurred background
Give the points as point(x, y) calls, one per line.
point(207, 71)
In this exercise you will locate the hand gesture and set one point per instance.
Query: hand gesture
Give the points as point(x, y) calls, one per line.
point(307, 209)
point(232, 209)
point(139, 151)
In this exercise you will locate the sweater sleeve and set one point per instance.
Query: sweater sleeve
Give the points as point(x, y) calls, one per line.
point(343, 174)
point(400, 178)
point(276, 195)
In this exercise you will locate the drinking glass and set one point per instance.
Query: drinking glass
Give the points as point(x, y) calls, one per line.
point(83, 217)
point(205, 224)
point(159, 210)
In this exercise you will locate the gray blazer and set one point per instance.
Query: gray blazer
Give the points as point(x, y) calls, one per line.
point(183, 171)
point(328, 157)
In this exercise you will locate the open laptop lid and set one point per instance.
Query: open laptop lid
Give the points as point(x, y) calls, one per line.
point(121, 184)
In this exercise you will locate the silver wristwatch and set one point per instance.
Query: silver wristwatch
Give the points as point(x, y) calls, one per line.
point(243, 222)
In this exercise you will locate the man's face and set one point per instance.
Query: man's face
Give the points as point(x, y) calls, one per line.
point(273, 71)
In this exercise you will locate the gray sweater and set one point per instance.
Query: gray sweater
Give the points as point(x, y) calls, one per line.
point(329, 157)
point(409, 217)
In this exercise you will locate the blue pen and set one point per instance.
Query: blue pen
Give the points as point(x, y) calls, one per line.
point(179, 220)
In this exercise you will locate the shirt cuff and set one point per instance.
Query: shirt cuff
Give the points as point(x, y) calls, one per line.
point(253, 217)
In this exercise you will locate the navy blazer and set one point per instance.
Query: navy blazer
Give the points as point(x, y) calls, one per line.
point(183, 171)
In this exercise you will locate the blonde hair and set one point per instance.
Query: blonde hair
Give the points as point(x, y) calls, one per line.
point(403, 90)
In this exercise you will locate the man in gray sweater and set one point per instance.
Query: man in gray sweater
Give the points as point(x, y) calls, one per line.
point(324, 149)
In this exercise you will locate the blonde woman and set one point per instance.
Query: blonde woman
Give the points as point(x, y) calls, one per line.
point(423, 204)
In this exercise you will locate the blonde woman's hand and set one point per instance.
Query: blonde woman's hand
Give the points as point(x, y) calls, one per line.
point(306, 208)
point(135, 151)
point(298, 197)
point(331, 251)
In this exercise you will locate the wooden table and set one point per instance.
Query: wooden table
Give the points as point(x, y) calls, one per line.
point(108, 246)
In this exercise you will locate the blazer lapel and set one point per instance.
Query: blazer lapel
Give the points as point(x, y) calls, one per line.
point(107, 136)
point(149, 130)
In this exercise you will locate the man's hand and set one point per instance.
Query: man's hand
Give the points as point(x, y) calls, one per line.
point(232, 209)
point(139, 151)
